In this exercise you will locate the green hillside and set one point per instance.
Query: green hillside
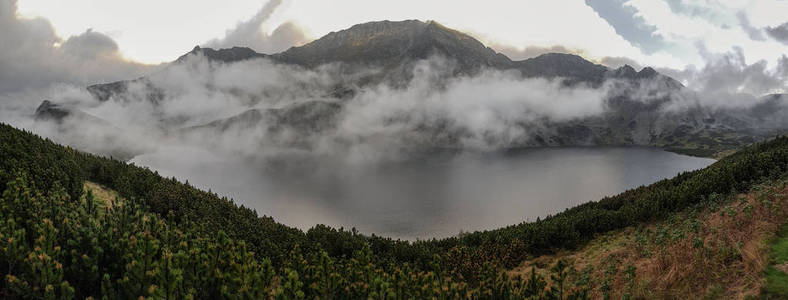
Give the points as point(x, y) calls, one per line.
point(165, 239)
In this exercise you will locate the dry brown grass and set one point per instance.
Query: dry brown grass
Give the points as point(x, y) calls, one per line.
point(782, 267)
point(717, 252)
point(104, 195)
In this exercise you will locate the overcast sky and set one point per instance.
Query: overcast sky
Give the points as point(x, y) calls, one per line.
point(661, 33)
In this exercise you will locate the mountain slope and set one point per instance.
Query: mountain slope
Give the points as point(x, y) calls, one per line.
point(168, 238)
point(718, 249)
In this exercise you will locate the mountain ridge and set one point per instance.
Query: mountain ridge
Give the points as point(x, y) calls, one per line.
point(393, 44)
point(387, 43)
point(636, 114)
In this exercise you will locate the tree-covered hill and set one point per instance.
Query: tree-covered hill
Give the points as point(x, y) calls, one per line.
point(166, 239)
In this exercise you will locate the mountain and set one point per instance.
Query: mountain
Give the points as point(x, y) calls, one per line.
point(638, 107)
point(392, 44)
point(394, 47)
point(562, 65)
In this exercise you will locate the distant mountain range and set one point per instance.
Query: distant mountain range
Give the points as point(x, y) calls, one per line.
point(395, 48)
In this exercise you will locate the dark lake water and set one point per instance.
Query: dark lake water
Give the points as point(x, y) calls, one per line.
point(435, 196)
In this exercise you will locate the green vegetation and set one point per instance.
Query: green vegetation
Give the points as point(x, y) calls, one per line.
point(713, 143)
point(777, 272)
point(166, 239)
point(694, 152)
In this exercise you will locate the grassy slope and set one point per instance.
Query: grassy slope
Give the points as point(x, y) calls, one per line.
point(720, 248)
point(777, 271)
point(104, 195)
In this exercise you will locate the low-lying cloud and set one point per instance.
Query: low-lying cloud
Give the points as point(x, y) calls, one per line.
point(262, 109)
point(490, 111)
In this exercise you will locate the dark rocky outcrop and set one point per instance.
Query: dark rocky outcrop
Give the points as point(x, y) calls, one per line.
point(51, 111)
point(224, 55)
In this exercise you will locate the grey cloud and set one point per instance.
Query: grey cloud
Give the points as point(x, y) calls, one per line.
point(628, 24)
point(250, 33)
point(724, 73)
point(754, 33)
point(779, 33)
point(782, 66)
point(731, 73)
point(488, 109)
point(727, 81)
point(90, 45)
point(711, 11)
point(31, 59)
point(283, 37)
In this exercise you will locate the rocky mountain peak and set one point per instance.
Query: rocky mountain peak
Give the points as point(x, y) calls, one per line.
point(48, 110)
point(393, 43)
point(223, 55)
point(647, 72)
point(625, 71)
point(563, 65)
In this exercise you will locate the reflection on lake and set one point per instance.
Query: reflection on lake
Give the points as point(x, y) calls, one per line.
point(436, 196)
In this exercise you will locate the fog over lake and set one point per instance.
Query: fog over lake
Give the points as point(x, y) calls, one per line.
point(437, 195)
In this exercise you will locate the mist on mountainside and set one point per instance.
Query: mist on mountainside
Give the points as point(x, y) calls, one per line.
point(376, 91)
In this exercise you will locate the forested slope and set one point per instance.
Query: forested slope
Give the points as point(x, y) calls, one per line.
point(167, 239)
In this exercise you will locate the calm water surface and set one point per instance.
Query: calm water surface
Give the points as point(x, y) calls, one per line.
point(436, 196)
